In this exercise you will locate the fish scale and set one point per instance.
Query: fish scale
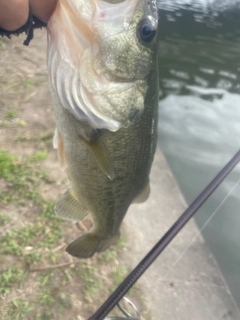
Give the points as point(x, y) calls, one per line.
point(108, 169)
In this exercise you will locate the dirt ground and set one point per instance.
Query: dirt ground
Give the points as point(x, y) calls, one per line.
point(38, 279)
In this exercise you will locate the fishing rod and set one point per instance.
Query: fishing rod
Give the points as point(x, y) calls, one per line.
point(136, 273)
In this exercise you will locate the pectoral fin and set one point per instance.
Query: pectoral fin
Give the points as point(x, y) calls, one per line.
point(58, 144)
point(69, 207)
point(143, 196)
point(100, 153)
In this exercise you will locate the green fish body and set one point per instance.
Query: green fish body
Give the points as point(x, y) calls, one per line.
point(106, 154)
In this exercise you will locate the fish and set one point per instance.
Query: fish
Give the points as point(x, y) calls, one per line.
point(102, 66)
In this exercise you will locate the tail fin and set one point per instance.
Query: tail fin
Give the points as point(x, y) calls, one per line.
point(90, 243)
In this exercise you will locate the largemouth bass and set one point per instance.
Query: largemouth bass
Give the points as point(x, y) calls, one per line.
point(102, 63)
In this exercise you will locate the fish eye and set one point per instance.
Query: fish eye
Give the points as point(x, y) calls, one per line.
point(146, 30)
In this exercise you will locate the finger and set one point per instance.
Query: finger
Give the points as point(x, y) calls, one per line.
point(42, 9)
point(13, 14)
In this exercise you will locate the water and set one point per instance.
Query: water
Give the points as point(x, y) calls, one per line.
point(199, 118)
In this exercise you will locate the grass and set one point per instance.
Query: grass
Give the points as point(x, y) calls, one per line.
point(4, 220)
point(46, 299)
point(13, 122)
point(122, 241)
point(52, 258)
point(9, 278)
point(108, 256)
point(2, 44)
point(19, 309)
point(92, 282)
point(44, 296)
point(32, 259)
point(7, 165)
point(46, 136)
point(39, 156)
point(45, 316)
point(9, 115)
point(23, 178)
point(17, 239)
point(33, 242)
point(46, 278)
point(51, 286)
point(35, 81)
point(118, 274)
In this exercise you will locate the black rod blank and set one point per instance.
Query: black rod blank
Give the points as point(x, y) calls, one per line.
point(136, 273)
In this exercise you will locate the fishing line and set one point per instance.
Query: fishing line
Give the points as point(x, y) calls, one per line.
point(202, 228)
point(136, 273)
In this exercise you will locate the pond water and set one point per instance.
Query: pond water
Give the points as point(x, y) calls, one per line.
point(199, 118)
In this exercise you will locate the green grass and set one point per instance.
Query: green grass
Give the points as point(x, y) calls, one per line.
point(19, 309)
point(43, 230)
point(9, 245)
point(17, 239)
point(39, 156)
point(12, 123)
point(52, 237)
point(23, 178)
point(51, 285)
point(9, 115)
point(122, 241)
point(45, 136)
point(64, 301)
point(9, 278)
point(22, 138)
point(46, 278)
point(4, 220)
point(46, 299)
point(45, 316)
point(2, 44)
point(52, 258)
point(32, 259)
point(118, 274)
point(35, 81)
point(108, 256)
point(92, 284)
point(7, 165)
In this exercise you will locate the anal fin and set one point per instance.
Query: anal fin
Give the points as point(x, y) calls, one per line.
point(68, 207)
point(100, 153)
point(144, 194)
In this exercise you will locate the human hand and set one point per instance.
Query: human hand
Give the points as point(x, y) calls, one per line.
point(14, 13)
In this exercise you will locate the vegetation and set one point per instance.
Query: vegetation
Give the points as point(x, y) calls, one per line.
point(19, 309)
point(33, 245)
